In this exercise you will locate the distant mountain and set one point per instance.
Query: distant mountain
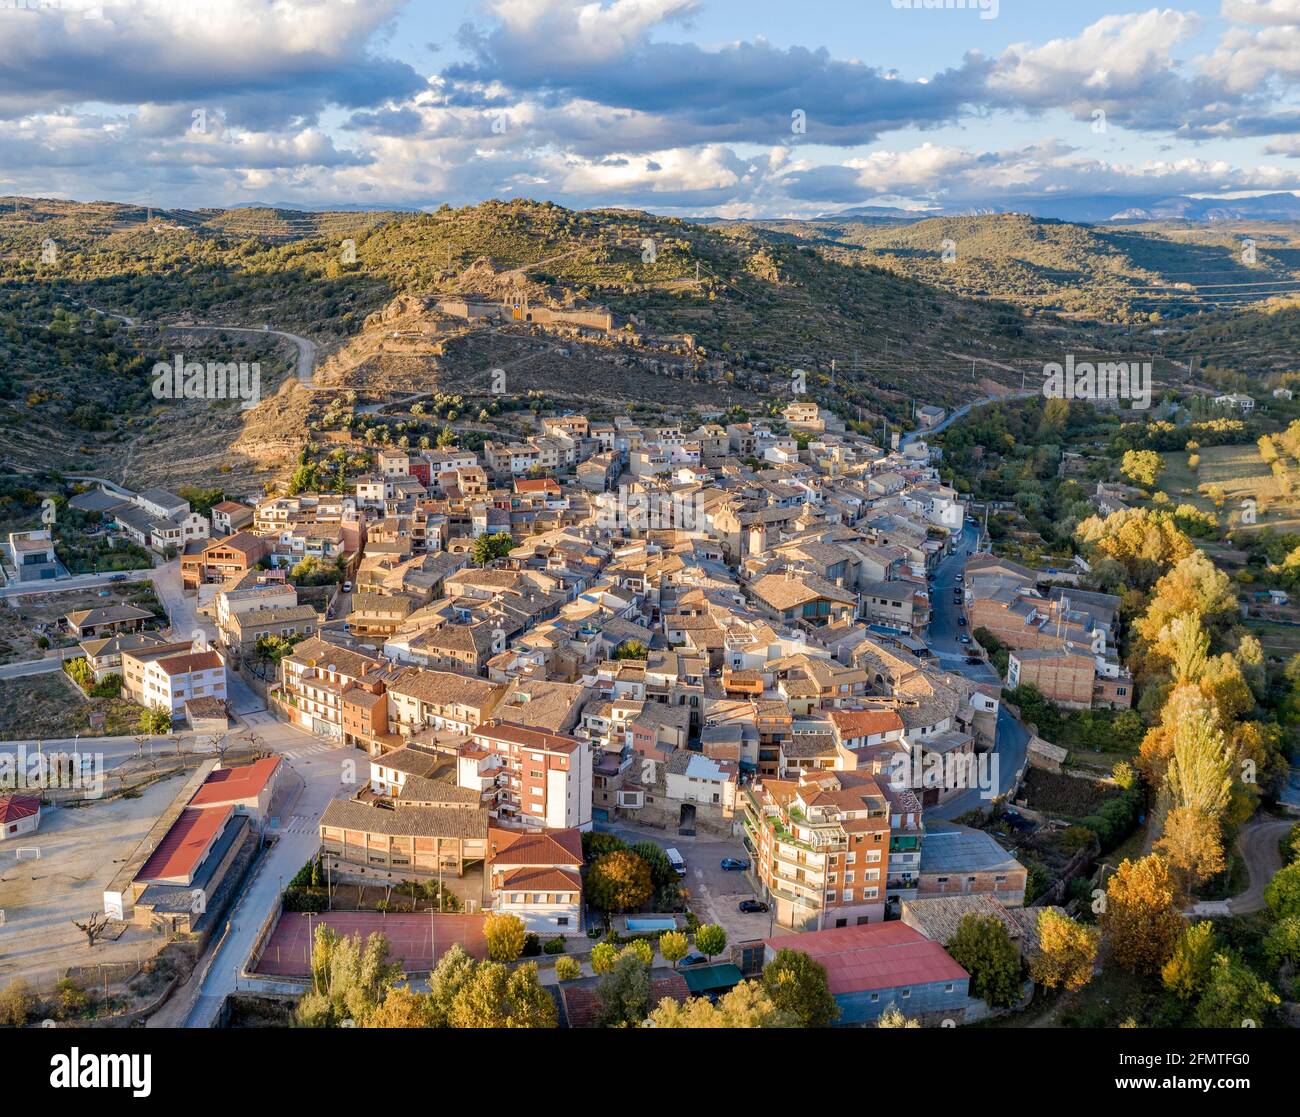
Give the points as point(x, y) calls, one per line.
point(1093, 209)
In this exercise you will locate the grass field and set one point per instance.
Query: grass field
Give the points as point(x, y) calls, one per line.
point(1282, 640)
point(49, 706)
point(1241, 473)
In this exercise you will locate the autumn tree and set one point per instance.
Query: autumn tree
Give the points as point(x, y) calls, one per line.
point(1142, 467)
point(603, 957)
point(983, 948)
point(349, 979)
point(797, 985)
point(1065, 953)
point(674, 946)
point(1192, 842)
point(746, 1006)
point(505, 936)
point(619, 881)
point(497, 996)
point(893, 1017)
point(401, 1008)
point(1188, 970)
point(1139, 921)
point(711, 940)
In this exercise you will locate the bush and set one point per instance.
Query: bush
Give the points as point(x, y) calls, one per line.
point(506, 937)
point(532, 945)
point(16, 1004)
point(567, 969)
point(305, 899)
point(555, 945)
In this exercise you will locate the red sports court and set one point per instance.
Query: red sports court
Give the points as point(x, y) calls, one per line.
point(287, 952)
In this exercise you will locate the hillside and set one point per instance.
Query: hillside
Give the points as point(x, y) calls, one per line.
point(1111, 273)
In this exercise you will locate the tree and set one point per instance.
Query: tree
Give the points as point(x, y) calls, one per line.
point(619, 881)
point(624, 993)
point(674, 946)
point(1140, 922)
point(641, 950)
point(1193, 844)
point(490, 548)
point(797, 985)
point(711, 940)
point(350, 979)
point(93, 927)
point(401, 1008)
point(1282, 943)
point(1233, 996)
point(1283, 892)
point(603, 957)
point(1188, 971)
point(631, 649)
point(505, 936)
point(155, 722)
point(499, 997)
point(662, 872)
point(1065, 953)
point(455, 969)
point(982, 947)
point(567, 968)
point(893, 1017)
point(745, 1006)
point(1142, 467)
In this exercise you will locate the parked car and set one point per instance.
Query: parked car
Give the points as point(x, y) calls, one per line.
point(963, 639)
point(694, 958)
point(974, 660)
point(735, 864)
point(118, 578)
point(753, 906)
point(961, 621)
point(347, 587)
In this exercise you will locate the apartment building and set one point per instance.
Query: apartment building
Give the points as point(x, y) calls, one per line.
point(821, 848)
point(536, 876)
point(317, 680)
point(530, 777)
point(168, 682)
point(441, 700)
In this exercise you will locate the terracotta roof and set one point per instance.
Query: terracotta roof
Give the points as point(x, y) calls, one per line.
point(536, 847)
point(874, 956)
point(14, 807)
point(536, 877)
point(226, 785)
point(194, 661)
point(183, 847)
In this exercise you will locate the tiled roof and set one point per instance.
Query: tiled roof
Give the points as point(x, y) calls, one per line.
point(874, 956)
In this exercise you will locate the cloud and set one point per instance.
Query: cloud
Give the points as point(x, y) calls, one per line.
point(261, 62)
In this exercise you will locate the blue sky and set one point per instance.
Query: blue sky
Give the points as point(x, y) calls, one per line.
point(680, 106)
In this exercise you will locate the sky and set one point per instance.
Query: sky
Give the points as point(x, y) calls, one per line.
point(732, 108)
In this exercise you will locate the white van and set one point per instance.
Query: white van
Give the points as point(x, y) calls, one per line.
point(677, 861)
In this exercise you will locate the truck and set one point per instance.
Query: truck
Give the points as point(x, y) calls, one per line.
point(676, 860)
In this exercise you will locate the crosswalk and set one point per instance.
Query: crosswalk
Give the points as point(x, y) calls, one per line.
point(300, 824)
point(307, 750)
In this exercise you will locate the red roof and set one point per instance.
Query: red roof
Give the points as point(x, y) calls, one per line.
point(14, 807)
point(186, 843)
point(228, 785)
point(875, 956)
point(864, 723)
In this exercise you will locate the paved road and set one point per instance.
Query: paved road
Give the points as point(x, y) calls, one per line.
point(23, 668)
point(943, 631)
point(960, 413)
point(1257, 844)
point(1011, 744)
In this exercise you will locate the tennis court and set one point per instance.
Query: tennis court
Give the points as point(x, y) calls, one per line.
point(414, 940)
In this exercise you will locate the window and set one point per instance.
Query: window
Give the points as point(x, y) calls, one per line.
point(905, 994)
point(875, 997)
point(948, 988)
